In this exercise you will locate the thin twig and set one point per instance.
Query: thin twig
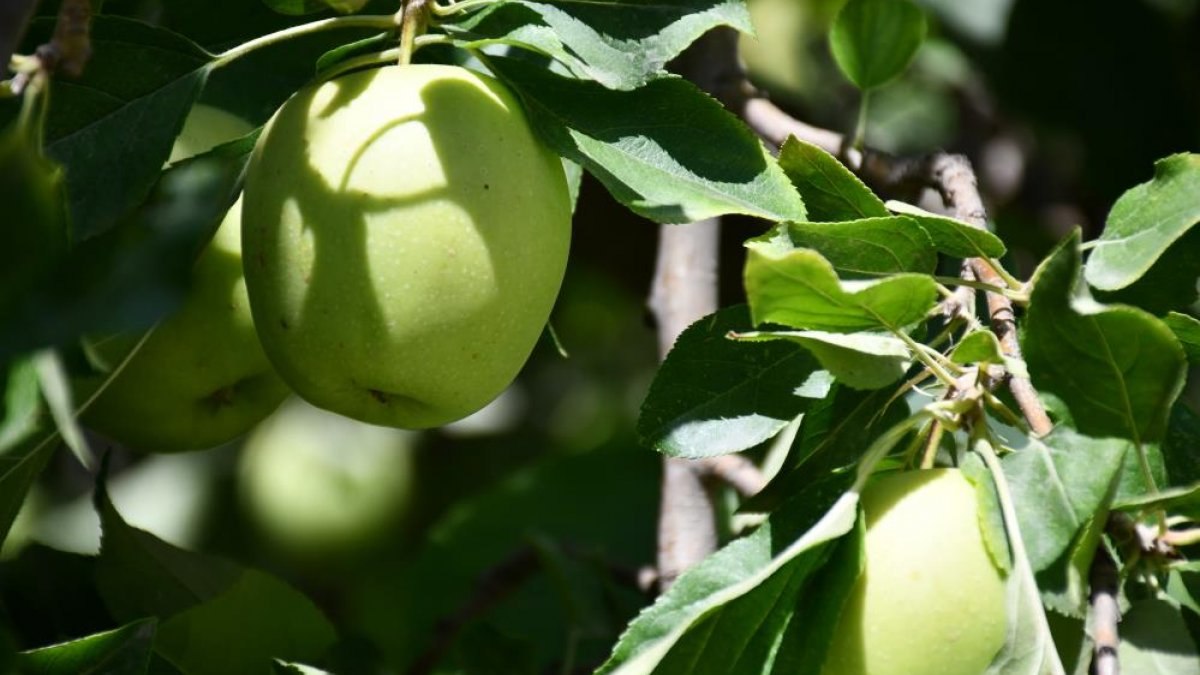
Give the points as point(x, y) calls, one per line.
point(736, 471)
point(1104, 614)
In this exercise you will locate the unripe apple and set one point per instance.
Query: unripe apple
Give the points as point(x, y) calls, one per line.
point(405, 236)
point(930, 599)
point(319, 484)
point(201, 378)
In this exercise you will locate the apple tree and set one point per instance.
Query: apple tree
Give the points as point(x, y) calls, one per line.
point(323, 345)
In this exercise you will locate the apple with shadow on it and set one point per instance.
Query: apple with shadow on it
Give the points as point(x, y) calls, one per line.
point(930, 599)
point(405, 238)
point(201, 378)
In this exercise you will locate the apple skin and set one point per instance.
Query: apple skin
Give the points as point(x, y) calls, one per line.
point(405, 237)
point(317, 484)
point(930, 599)
point(201, 379)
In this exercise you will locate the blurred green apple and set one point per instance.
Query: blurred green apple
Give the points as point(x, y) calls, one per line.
point(930, 599)
point(201, 378)
point(405, 236)
point(317, 484)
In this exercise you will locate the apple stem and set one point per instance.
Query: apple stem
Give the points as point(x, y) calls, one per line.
point(366, 21)
point(413, 17)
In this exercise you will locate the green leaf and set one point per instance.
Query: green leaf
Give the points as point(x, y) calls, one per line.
point(952, 236)
point(56, 388)
point(19, 468)
point(798, 288)
point(642, 145)
point(833, 434)
point(620, 44)
point(873, 41)
point(124, 651)
point(216, 617)
point(1028, 645)
point(794, 541)
point(139, 270)
point(1145, 222)
point(35, 234)
point(1065, 585)
point(1184, 501)
point(112, 129)
point(342, 53)
point(869, 246)
point(858, 360)
point(138, 574)
point(22, 403)
point(831, 192)
point(714, 395)
point(1058, 484)
point(1187, 330)
point(982, 346)
point(305, 7)
point(1155, 640)
point(1180, 458)
point(1117, 368)
point(805, 643)
point(242, 630)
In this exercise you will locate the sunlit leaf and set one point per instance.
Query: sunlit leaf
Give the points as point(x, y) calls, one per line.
point(794, 541)
point(869, 246)
point(123, 651)
point(831, 192)
point(952, 236)
point(1145, 222)
point(1117, 368)
point(859, 360)
point(641, 145)
point(799, 288)
point(617, 43)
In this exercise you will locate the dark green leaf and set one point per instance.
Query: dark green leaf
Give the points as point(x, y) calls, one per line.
point(873, 41)
point(951, 236)
point(1065, 585)
point(124, 651)
point(1155, 640)
point(806, 640)
point(305, 7)
point(714, 395)
point(487, 651)
point(112, 129)
point(1181, 460)
point(1184, 501)
point(140, 575)
point(216, 616)
point(858, 360)
point(1117, 368)
point(833, 434)
point(725, 588)
point(831, 192)
point(34, 236)
point(1187, 330)
point(642, 145)
point(799, 288)
point(1058, 484)
point(1134, 481)
point(621, 44)
point(244, 628)
point(1145, 222)
point(869, 246)
point(136, 272)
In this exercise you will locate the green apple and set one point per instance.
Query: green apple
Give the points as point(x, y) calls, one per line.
point(201, 378)
point(405, 237)
point(319, 484)
point(930, 599)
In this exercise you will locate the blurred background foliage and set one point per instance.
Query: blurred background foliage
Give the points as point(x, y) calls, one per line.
point(1061, 105)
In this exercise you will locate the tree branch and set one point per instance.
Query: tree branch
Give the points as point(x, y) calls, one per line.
point(736, 471)
point(1104, 614)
